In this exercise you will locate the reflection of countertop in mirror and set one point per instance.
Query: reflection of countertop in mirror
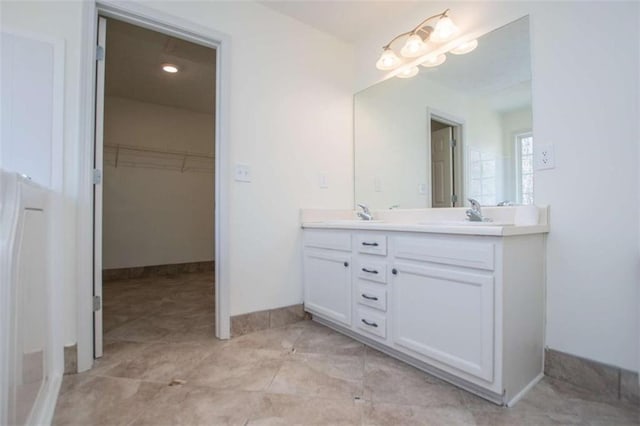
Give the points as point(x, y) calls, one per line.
point(506, 221)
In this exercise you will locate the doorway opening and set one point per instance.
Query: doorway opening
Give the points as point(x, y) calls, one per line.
point(446, 160)
point(154, 209)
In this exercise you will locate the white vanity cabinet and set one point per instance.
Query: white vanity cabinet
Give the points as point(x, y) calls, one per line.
point(466, 308)
point(327, 275)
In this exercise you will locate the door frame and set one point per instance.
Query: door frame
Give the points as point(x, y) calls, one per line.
point(145, 17)
point(459, 163)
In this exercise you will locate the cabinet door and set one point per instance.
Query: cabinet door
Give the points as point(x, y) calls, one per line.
point(327, 283)
point(445, 315)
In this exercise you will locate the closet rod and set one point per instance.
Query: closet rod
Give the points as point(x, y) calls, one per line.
point(119, 146)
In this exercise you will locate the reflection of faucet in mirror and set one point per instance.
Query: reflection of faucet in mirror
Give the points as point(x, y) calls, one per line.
point(474, 214)
point(365, 214)
point(395, 206)
point(505, 203)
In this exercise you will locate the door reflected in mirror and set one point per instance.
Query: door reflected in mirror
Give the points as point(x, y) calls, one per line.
point(457, 131)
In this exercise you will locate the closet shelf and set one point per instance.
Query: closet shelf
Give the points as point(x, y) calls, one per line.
point(121, 155)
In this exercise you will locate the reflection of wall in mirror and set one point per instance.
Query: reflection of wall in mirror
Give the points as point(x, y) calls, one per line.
point(391, 151)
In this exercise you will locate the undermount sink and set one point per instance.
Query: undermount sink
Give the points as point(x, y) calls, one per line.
point(463, 223)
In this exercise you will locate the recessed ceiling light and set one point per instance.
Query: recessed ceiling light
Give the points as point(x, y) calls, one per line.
point(170, 68)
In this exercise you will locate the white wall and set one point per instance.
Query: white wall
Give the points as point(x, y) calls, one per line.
point(154, 216)
point(60, 21)
point(290, 118)
point(291, 103)
point(589, 111)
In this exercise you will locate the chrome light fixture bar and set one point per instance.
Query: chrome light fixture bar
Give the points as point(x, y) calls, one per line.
point(419, 42)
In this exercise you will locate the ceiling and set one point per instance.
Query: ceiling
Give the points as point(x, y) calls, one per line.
point(346, 20)
point(134, 57)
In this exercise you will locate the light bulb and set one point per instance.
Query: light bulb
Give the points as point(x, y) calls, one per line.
point(407, 72)
point(466, 47)
point(388, 60)
point(413, 47)
point(434, 61)
point(444, 30)
point(170, 68)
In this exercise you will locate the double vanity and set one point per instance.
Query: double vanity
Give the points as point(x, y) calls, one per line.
point(461, 300)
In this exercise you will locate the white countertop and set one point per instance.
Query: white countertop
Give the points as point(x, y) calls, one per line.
point(507, 221)
point(493, 230)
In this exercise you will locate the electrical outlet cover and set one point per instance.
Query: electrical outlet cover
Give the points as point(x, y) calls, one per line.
point(243, 173)
point(544, 157)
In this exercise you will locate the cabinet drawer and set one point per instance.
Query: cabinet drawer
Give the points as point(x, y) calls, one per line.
point(371, 322)
point(370, 295)
point(371, 244)
point(372, 270)
point(470, 254)
point(333, 240)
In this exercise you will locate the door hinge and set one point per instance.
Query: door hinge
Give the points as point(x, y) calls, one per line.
point(454, 198)
point(99, 53)
point(97, 176)
point(97, 303)
point(453, 143)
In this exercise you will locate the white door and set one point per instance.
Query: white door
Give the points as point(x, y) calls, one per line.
point(445, 315)
point(327, 281)
point(441, 168)
point(97, 190)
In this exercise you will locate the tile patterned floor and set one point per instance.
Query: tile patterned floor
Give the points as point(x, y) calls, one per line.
point(302, 374)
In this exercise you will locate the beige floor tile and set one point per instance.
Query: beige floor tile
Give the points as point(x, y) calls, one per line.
point(114, 352)
point(322, 340)
point(284, 410)
point(161, 328)
point(323, 376)
point(279, 339)
point(381, 414)
point(161, 362)
point(193, 406)
point(93, 400)
point(228, 367)
point(391, 381)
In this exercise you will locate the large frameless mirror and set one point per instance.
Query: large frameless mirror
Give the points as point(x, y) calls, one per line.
point(460, 130)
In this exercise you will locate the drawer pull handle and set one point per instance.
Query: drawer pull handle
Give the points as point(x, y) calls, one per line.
point(370, 271)
point(370, 324)
point(346, 264)
point(369, 297)
point(364, 243)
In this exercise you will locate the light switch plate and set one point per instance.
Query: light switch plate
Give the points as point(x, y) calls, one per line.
point(544, 157)
point(422, 188)
point(243, 173)
point(323, 180)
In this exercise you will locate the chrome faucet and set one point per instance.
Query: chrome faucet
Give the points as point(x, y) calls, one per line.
point(474, 214)
point(365, 214)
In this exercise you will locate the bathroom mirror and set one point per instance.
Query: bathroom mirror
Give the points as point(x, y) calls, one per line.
point(460, 130)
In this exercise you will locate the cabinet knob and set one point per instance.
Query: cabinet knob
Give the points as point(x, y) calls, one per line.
point(346, 264)
point(394, 271)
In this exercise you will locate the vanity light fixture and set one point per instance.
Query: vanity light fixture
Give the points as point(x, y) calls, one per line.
point(170, 68)
point(418, 43)
point(465, 47)
point(434, 61)
point(408, 72)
